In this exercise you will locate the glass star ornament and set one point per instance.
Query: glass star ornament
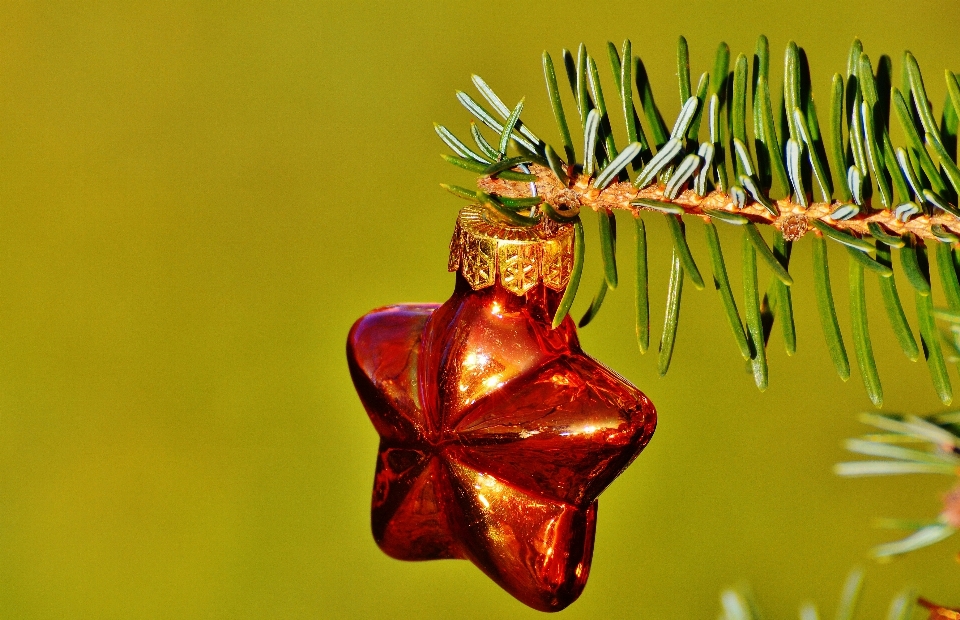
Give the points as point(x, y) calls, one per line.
point(497, 432)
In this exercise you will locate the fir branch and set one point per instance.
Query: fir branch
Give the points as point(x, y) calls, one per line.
point(938, 453)
point(786, 178)
point(797, 219)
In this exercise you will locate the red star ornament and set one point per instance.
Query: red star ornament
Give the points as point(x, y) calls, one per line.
point(497, 435)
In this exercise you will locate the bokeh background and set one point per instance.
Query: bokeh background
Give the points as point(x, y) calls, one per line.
point(197, 199)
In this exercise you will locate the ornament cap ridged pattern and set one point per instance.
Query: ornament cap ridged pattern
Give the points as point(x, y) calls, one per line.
point(483, 249)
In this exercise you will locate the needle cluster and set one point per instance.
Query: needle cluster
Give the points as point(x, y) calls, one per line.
point(732, 156)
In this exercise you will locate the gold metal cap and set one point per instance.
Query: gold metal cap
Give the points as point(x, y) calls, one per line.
point(483, 248)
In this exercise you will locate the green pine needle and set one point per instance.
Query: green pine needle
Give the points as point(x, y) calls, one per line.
point(722, 283)
point(682, 249)
point(763, 250)
point(671, 319)
point(595, 305)
point(574, 283)
point(893, 306)
point(553, 92)
point(861, 334)
point(608, 247)
point(827, 309)
point(751, 293)
point(932, 349)
point(642, 299)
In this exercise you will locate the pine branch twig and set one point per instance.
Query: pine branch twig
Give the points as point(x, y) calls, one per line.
point(794, 219)
point(844, 182)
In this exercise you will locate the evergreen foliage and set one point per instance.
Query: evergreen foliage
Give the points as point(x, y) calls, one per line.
point(732, 156)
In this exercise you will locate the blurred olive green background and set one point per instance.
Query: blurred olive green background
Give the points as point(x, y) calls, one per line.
point(197, 199)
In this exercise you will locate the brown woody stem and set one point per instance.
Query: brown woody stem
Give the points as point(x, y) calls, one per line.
point(793, 221)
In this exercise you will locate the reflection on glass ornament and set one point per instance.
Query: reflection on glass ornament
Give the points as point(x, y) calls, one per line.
point(497, 432)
